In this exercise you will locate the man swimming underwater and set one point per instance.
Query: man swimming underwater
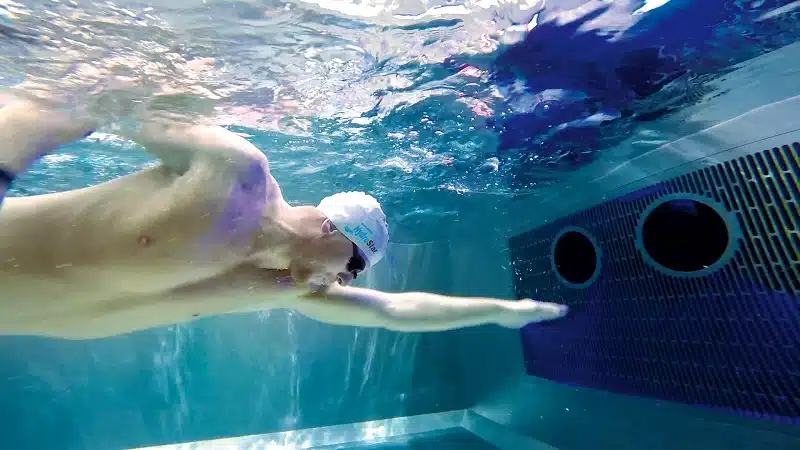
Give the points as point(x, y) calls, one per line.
point(206, 232)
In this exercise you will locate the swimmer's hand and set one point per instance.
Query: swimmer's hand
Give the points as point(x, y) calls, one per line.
point(522, 312)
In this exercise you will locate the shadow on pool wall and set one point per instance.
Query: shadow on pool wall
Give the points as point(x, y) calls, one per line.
point(228, 376)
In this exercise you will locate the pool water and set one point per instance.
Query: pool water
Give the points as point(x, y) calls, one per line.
point(487, 130)
point(434, 113)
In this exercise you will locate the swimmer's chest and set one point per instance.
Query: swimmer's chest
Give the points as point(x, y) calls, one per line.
point(200, 215)
point(140, 234)
point(201, 207)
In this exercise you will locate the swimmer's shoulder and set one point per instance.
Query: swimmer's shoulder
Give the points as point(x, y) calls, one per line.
point(201, 141)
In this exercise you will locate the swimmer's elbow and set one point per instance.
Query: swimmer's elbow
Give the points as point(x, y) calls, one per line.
point(417, 312)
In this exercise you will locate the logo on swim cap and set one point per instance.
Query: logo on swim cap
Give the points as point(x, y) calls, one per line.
point(363, 235)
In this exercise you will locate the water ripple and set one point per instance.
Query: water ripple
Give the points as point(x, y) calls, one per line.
point(415, 101)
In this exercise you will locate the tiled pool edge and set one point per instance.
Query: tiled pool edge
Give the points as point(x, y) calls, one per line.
point(309, 438)
point(500, 436)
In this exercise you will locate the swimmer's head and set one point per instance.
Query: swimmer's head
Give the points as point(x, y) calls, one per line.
point(361, 219)
point(342, 237)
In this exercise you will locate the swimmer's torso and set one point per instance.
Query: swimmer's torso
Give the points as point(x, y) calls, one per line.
point(102, 260)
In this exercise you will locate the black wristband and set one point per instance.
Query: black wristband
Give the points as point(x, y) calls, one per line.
point(6, 176)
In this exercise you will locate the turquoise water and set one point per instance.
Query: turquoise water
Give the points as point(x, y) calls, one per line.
point(434, 113)
point(446, 111)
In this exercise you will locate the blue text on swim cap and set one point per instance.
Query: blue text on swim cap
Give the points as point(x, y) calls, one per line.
point(359, 232)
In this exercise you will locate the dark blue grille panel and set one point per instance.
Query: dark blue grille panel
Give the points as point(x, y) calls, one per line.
point(727, 340)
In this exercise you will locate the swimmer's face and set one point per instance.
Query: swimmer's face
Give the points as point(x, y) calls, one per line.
point(327, 258)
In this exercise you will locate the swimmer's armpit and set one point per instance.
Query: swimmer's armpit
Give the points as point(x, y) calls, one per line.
point(6, 178)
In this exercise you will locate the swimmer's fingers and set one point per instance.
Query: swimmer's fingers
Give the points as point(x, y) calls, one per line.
point(523, 312)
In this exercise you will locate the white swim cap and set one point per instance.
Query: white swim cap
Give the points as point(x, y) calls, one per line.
point(359, 217)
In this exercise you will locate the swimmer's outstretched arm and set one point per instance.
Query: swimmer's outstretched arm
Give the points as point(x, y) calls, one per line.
point(421, 311)
point(28, 130)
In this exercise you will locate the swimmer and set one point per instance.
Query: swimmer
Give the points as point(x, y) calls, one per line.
point(205, 232)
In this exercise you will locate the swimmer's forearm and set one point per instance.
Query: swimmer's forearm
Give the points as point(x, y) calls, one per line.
point(410, 311)
point(29, 131)
point(14, 156)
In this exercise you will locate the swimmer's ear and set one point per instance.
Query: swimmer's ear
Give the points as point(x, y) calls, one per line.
point(327, 227)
